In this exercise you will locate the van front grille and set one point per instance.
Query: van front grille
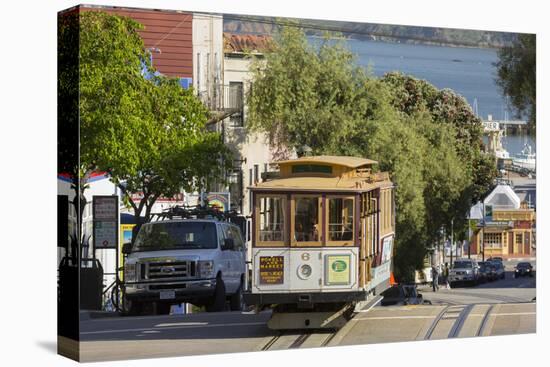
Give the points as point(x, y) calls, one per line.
point(169, 269)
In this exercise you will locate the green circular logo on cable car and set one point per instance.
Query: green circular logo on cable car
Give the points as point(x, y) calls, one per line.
point(339, 266)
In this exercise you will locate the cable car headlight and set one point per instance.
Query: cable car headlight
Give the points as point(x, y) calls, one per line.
point(304, 271)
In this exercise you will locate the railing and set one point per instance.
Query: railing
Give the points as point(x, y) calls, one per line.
point(223, 98)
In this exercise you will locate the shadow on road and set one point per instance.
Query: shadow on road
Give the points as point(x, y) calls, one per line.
point(222, 325)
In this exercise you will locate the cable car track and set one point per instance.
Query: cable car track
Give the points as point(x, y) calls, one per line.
point(483, 323)
point(300, 339)
point(457, 314)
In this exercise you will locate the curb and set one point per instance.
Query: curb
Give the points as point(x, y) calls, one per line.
point(93, 314)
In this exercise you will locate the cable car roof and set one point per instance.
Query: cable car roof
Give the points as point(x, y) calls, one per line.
point(351, 162)
point(354, 184)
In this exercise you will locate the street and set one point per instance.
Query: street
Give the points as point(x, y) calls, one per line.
point(496, 308)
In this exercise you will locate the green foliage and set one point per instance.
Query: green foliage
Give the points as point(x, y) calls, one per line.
point(428, 139)
point(516, 69)
point(148, 133)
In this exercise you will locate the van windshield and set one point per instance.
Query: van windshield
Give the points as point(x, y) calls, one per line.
point(175, 235)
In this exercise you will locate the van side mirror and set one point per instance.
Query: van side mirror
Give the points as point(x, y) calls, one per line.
point(228, 244)
point(127, 248)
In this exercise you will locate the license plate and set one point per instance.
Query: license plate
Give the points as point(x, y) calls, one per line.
point(168, 295)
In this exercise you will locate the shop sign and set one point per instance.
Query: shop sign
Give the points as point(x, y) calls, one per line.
point(337, 269)
point(272, 269)
point(219, 200)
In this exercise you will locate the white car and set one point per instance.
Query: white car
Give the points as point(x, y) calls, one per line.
point(464, 271)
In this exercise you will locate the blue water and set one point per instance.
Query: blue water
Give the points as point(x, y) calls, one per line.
point(470, 72)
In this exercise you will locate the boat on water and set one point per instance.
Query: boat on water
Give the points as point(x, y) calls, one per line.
point(525, 159)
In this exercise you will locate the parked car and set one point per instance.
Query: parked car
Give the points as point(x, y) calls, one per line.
point(492, 270)
point(499, 269)
point(496, 258)
point(523, 269)
point(200, 261)
point(402, 294)
point(464, 271)
point(485, 273)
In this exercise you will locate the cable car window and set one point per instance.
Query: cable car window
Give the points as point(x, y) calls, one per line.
point(271, 219)
point(340, 219)
point(307, 226)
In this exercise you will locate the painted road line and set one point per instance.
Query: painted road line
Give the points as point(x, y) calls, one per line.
point(434, 316)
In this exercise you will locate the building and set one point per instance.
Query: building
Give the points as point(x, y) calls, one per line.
point(502, 225)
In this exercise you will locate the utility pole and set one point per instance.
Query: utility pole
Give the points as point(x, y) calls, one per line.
point(482, 239)
point(452, 242)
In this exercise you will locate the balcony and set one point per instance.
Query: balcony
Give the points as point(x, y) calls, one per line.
point(223, 101)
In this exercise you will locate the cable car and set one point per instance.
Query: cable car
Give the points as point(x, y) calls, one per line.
point(322, 240)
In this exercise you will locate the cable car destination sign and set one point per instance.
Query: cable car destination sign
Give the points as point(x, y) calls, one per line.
point(272, 269)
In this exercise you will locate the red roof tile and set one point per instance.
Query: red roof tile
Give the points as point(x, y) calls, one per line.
point(246, 43)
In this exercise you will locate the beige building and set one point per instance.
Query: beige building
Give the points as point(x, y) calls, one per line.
point(508, 229)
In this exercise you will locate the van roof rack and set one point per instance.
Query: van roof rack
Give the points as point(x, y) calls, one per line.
point(196, 212)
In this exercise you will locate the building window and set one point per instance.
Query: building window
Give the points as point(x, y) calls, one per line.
point(519, 238)
point(492, 240)
point(235, 102)
point(250, 177)
point(256, 173)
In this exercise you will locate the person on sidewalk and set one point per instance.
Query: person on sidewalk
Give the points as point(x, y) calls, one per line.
point(446, 276)
point(435, 274)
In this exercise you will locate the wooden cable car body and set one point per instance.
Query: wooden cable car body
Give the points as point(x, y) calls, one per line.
point(322, 236)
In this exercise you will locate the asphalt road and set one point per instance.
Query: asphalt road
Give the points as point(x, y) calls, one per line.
point(496, 308)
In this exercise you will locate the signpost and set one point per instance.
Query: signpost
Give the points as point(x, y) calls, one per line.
point(105, 229)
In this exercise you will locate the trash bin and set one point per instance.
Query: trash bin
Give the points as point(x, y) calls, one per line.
point(91, 289)
point(91, 284)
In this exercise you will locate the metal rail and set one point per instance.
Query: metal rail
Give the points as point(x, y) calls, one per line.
point(457, 326)
point(484, 321)
point(435, 322)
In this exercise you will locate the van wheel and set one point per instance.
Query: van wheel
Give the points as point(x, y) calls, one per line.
point(134, 308)
point(237, 301)
point(217, 303)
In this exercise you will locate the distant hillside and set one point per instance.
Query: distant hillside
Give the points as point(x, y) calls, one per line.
point(383, 32)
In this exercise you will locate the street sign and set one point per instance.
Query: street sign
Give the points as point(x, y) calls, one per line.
point(105, 221)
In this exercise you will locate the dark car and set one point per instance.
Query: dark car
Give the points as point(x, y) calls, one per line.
point(492, 271)
point(485, 271)
point(402, 294)
point(499, 268)
point(523, 269)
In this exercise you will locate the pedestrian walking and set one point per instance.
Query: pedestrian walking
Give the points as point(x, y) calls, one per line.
point(446, 276)
point(435, 274)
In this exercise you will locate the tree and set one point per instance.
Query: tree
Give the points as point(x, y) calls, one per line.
point(516, 70)
point(426, 138)
point(144, 132)
point(304, 94)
